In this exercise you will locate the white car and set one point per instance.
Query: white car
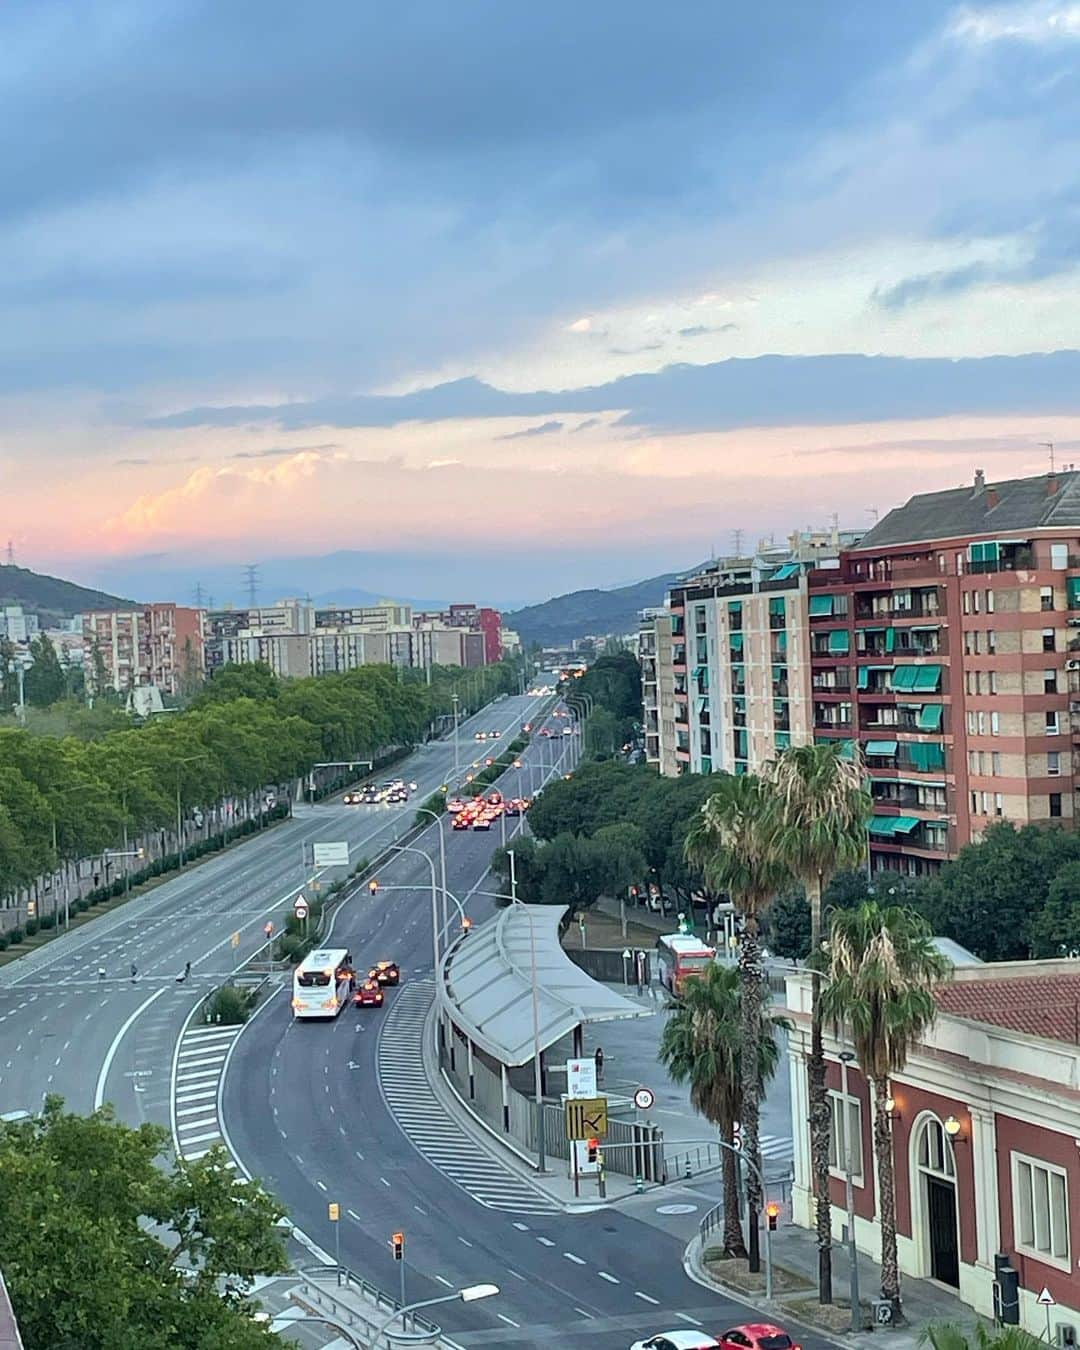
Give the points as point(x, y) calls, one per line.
point(677, 1340)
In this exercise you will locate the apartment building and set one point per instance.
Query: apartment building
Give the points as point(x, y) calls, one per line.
point(379, 618)
point(658, 689)
point(739, 659)
point(942, 645)
point(159, 645)
point(476, 619)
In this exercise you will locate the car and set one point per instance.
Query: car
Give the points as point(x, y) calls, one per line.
point(396, 794)
point(482, 823)
point(462, 821)
point(568, 731)
point(677, 1340)
point(494, 735)
point(757, 1336)
point(544, 731)
point(480, 736)
point(385, 972)
point(454, 805)
point(368, 994)
point(494, 798)
point(351, 799)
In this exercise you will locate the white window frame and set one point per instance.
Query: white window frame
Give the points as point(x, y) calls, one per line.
point(1022, 1212)
point(1053, 763)
point(858, 1163)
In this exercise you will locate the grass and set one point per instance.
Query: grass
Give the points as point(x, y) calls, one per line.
point(735, 1272)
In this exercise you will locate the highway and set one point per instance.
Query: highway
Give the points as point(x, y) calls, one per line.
point(341, 1111)
point(92, 1040)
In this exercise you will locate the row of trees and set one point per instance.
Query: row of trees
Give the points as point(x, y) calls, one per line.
point(612, 686)
point(63, 798)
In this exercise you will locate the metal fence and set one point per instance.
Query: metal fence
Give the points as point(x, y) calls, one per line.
point(612, 967)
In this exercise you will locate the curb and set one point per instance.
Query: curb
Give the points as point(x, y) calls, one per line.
point(694, 1268)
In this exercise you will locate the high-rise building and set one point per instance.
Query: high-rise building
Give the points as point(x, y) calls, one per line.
point(160, 645)
point(942, 645)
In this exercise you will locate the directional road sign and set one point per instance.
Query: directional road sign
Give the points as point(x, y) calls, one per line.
point(586, 1118)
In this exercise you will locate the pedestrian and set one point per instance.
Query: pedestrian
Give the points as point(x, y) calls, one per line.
point(187, 969)
point(101, 972)
point(134, 972)
point(599, 1064)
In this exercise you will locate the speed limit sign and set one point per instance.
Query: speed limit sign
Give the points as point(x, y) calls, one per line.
point(644, 1099)
point(300, 908)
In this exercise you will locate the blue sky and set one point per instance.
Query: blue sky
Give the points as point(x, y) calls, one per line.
point(663, 273)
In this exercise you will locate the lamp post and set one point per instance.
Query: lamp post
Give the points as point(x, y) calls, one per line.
point(406, 848)
point(538, 1089)
point(469, 1294)
point(123, 808)
point(64, 792)
point(457, 751)
point(426, 811)
point(846, 1056)
point(190, 759)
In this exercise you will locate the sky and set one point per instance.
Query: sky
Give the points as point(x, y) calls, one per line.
point(492, 301)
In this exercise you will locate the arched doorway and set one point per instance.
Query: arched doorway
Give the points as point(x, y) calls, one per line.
point(935, 1181)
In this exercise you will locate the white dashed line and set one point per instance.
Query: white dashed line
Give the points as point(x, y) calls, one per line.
point(464, 1240)
point(321, 1185)
point(444, 1281)
point(605, 1276)
point(384, 1182)
point(576, 1259)
point(547, 1242)
point(588, 1314)
point(508, 1320)
point(522, 1227)
point(353, 1215)
point(685, 1317)
point(646, 1297)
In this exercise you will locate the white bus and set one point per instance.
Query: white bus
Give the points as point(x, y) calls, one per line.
point(323, 983)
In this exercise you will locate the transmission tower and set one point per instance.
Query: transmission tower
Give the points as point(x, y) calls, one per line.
point(11, 553)
point(251, 581)
point(198, 595)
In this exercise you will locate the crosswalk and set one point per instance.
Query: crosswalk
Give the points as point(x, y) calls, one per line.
point(422, 1119)
point(199, 1064)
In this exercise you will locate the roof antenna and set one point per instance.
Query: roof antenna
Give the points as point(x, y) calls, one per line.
point(736, 536)
point(1049, 445)
point(873, 511)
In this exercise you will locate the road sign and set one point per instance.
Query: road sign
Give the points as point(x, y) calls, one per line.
point(644, 1099)
point(586, 1118)
point(581, 1077)
point(1046, 1298)
point(300, 907)
point(331, 854)
point(333, 1209)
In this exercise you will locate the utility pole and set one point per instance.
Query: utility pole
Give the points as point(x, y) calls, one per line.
point(251, 582)
point(198, 595)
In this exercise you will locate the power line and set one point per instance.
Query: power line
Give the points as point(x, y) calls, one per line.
point(251, 581)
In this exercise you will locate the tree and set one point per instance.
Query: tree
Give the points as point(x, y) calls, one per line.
point(702, 1044)
point(883, 969)
point(731, 842)
point(1055, 929)
point(9, 680)
point(820, 807)
point(83, 1268)
point(44, 682)
point(254, 680)
point(980, 1336)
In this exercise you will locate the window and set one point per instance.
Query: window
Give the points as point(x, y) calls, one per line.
point(1055, 804)
point(985, 803)
point(1052, 727)
point(982, 724)
point(969, 680)
point(1049, 681)
point(967, 602)
point(974, 803)
point(1053, 763)
point(991, 681)
point(960, 569)
point(1048, 639)
point(1046, 598)
point(1041, 1210)
point(995, 723)
point(976, 602)
point(843, 1123)
point(999, 804)
point(1059, 557)
point(991, 641)
point(989, 602)
point(971, 725)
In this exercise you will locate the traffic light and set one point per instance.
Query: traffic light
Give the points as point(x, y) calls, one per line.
point(397, 1241)
point(772, 1213)
point(593, 1146)
point(373, 886)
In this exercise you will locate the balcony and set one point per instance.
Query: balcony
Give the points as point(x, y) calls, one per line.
point(836, 681)
point(825, 720)
point(906, 795)
point(1007, 558)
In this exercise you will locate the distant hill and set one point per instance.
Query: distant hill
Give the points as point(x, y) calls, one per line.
point(51, 598)
point(580, 613)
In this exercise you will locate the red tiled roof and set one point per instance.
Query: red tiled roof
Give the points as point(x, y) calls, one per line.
point(1047, 1005)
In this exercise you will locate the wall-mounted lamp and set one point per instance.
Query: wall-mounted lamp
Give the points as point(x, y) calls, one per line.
point(953, 1128)
point(890, 1108)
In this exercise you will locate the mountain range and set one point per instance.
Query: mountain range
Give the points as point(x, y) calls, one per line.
point(580, 613)
point(51, 598)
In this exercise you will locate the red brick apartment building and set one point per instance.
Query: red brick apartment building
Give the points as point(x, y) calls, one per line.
point(946, 644)
point(157, 645)
point(985, 1126)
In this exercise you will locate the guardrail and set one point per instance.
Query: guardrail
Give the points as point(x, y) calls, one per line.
point(320, 1285)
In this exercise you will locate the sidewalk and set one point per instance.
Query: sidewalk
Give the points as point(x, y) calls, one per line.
point(794, 1255)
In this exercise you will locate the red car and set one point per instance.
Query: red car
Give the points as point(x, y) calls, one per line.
point(368, 995)
point(757, 1336)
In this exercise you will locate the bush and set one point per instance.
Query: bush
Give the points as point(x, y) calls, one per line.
point(291, 947)
point(48, 921)
point(436, 802)
point(3, 942)
point(31, 927)
point(229, 1005)
point(15, 936)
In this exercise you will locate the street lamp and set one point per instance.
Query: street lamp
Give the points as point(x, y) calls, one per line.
point(470, 1294)
point(538, 1090)
point(427, 811)
point(457, 753)
point(190, 759)
point(406, 848)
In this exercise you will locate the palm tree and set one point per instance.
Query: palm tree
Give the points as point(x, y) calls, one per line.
point(952, 1336)
point(730, 842)
point(702, 1044)
point(883, 970)
point(822, 808)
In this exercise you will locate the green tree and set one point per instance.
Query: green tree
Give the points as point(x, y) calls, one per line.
point(820, 808)
point(1055, 929)
point(82, 1266)
point(702, 1044)
point(255, 680)
point(44, 682)
point(9, 680)
point(883, 969)
point(731, 842)
point(979, 1336)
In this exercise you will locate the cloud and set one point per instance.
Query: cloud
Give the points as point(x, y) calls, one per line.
point(443, 464)
point(275, 451)
point(636, 351)
point(544, 429)
point(1039, 22)
point(763, 391)
point(587, 425)
point(700, 329)
point(132, 462)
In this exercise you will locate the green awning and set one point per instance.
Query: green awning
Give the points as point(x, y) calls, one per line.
point(820, 604)
point(697, 671)
point(881, 747)
point(882, 826)
point(903, 677)
point(788, 570)
point(924, 628)
point(905, 824)
point(1072, 590)
point(736, 641)
point(927, 679)
point(930, 716)
point(890, 639)
point(927, 757)
point(863, 679)
point(839, 641)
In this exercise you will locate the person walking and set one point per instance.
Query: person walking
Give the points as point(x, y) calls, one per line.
point(134, 972)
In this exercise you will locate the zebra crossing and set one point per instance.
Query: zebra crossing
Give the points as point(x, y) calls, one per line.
point(197, 1069)
point(421, 1117)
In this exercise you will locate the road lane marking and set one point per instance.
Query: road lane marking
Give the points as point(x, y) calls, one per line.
point(576, 1259)
point(384, 1181)
point(508, 1320)
point(444, 1281)
point(201, 1138)
point(197, 1096)
point(605, 1276)
point(103, 1076)
point(464, 1240)
point(546, 1241)
point(419, 1210)
point(353, 1215)
point(585, 1314)
point(197, 1124)
point(685, 1317)
point(646, 1297)
point(522, 1227)
point(321, 1185)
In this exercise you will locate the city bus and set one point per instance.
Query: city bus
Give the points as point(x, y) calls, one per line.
point(322, 983)
point(682, 957)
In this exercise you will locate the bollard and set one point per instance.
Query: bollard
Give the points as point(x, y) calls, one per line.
point(688, 1173)
point(639, 1185)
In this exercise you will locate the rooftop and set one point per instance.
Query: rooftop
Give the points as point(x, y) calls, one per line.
point(1047, 501)
point(1037, 1005)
